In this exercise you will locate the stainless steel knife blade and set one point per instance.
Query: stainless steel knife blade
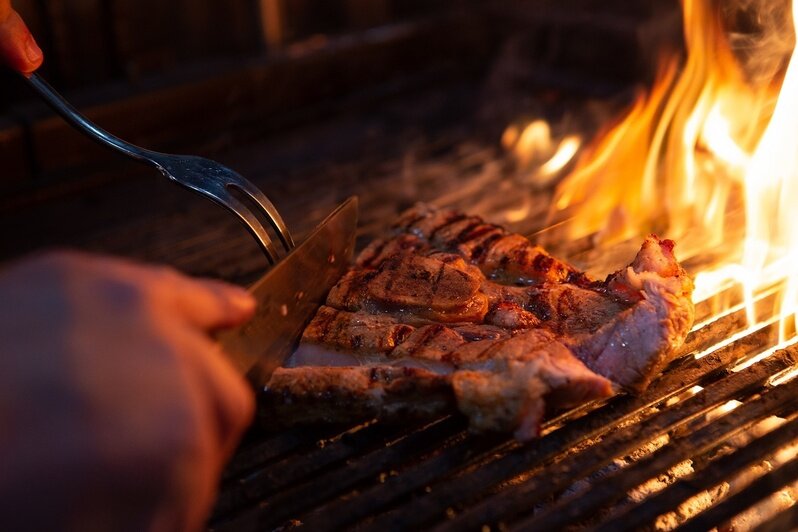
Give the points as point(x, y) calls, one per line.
point(289, 294)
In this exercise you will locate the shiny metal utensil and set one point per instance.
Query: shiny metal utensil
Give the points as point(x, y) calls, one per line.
point(204, 176)
point(289, 294)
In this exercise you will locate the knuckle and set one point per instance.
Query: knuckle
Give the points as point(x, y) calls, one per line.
point(122, 294)
point(60, 259)
point(164, 273)
point(239, 408)
point(183, 437)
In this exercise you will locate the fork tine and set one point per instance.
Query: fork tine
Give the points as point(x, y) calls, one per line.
point(223, 197)
point(268, 209)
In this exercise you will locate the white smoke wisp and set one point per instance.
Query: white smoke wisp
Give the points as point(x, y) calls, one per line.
point(761, 35)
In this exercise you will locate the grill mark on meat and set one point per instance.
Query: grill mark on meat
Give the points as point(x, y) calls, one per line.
point(374, 375)
point(580, 279)
point(401, 334)
point(352, 296)
point(356, 284)
point(437, 283)
point(566, 304)
point(429, 334)
point(392, 276)
point(376, 253)
point(479, 251)
point(450, 220)
point(492, 348)
point(340, 326)
point(539, 308)
point(566, 307)
point(542, 263)
point(505, 260)
point(462, 235)
point(329, 318)
point(480, 230)
point(356, 341)
point(408, 225)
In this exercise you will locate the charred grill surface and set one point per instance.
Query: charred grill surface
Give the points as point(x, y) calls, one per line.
point(383, 476)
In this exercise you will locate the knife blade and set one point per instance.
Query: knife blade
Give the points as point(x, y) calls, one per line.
point(289, 294)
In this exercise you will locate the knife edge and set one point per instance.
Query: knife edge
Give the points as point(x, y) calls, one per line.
point(289, 294)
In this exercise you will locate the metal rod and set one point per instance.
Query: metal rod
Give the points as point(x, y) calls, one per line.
point(580, 506)
point(83, 124)
point(635, 517)
point(521, 498)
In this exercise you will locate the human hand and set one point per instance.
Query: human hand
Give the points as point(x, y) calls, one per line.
point(18, 48)
point(117, 410)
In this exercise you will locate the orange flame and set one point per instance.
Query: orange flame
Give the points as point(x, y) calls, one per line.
point(703, 157)
point(537, 153)
point(653, 171)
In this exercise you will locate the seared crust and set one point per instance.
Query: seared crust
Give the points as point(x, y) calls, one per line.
point(358, 332)
point(501, 255)
point(417, 286)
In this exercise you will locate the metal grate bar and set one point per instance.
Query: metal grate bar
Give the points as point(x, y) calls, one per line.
point(337, 514)
point(685, 373)
point(291, 502)
point(256, 455)
point(296, 468)
point(683, 489)
point(780, 522)
point(764, 486)
point(520, 498)
point(581, 505)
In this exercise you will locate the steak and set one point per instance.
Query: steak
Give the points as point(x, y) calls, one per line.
point(449, 311)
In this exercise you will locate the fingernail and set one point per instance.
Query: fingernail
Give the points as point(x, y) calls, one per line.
point(32, 50)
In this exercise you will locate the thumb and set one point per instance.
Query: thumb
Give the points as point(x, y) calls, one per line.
point(18, 48)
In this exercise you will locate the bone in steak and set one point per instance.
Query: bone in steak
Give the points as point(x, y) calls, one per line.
point(450, 310)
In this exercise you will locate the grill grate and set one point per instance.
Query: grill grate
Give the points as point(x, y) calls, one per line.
point(436, 475)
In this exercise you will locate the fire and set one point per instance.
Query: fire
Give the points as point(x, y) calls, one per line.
point(537, 153)
point(709, 157)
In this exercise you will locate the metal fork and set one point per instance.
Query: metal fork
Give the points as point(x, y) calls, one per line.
point(204, 176)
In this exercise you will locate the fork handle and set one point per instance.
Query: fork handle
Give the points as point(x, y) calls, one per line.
point(81, 123)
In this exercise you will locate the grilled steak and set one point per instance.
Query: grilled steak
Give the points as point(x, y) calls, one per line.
point(342, 394)
point(452, 310)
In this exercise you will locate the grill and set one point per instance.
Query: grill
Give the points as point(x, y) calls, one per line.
point(615, 465)
point(712, 438)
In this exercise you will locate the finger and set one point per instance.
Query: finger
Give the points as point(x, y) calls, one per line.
point(205, 303)
point(211, 304)
point(231, 399)
point(225, 405)
point(18, 48)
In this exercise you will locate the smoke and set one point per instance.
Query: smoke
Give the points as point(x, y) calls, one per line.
point(761, 35)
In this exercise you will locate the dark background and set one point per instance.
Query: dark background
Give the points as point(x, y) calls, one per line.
point(311, 99)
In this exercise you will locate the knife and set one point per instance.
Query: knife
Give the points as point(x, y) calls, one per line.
point(289, 294)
